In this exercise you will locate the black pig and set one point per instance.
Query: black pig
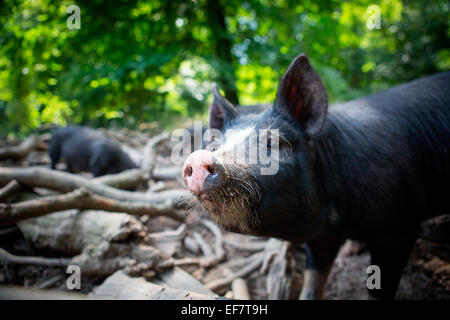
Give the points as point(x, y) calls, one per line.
point(85, 149)
point(370, 169)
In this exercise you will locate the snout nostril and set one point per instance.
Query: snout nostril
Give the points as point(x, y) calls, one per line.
point(210, 169)
point(188, 171)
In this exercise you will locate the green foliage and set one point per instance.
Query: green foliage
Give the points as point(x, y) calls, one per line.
point(141, 61)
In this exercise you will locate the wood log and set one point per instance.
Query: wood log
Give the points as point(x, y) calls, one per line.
point(240, 289)
point(66, 182)
point(17, 293)
point(69, 232)
point(80, 199)
point(121, 286)
point(9, 189)
point(99, 241)
point(20, 150)
point(177, 278)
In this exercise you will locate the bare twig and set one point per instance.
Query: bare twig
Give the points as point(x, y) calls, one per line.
point(171, 235)
point(208, 259)
point(66, 182)
point(50, 282)
point(9, 189)
point(219, 252)
point(204, 247)
point(8, 231)
point(149, 159)
point(191, 245)
point(21, 150)
point(81, 199)
point(240, 289)
point(124, 180)
point(37, 261)
point(256, 246)
point(163, 174)
point(254, 262)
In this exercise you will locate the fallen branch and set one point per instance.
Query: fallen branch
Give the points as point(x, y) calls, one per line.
point(191, 245)
point(170, 173)
point(66, 182)
point(80, 199)
point(99, 242)
point(149, 159)
point(9, 189)
point(207, 260)
point(177, 278)
point(18, 293)
point(168, 242)
point(240, 289)
point(121, 286)
point(219, 252)
point(5, 256)
point(204, 247)
point(256, 246)
point(127, 179)
point(255, 262)
point(20, 150)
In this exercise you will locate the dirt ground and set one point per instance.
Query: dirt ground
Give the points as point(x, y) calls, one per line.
point(427, 275)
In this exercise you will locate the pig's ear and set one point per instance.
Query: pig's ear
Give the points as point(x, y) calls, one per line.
point(222, 110)
point(302, 95)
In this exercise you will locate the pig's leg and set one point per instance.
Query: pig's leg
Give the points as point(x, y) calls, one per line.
point(69, 167)
point(391, 258)
point(55, 151)
point(320, 255)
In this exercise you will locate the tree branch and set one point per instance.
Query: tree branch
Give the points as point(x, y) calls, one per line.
point(37, 261)
point(9, 189)
point(66, 182)
point(20, 150)
point(81, 199)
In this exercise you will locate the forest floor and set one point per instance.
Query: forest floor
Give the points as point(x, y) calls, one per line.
point(426, 276)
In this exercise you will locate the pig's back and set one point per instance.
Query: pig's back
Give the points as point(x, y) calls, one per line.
point(391, 150)
point(78, 144)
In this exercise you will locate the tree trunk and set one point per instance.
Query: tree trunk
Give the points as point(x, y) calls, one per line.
point(221, 40)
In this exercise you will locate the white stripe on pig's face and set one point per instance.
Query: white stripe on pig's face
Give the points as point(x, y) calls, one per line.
point(234, 138)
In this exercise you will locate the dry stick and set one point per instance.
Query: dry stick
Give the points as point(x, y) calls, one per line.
point(204, 247)
point(21, 150)
point(169, 173)
point(49, 282)
point(257, 246)
point(8, 231)
point(255, 262)
point(219, 252)
point(149, 159)
point(240, 289)
point(170, 235)
point(133, 177)
point(124, 180)
point(81, 199)
point(37, 261)
point(66, 182)
point(9, 189)
point(205, 261)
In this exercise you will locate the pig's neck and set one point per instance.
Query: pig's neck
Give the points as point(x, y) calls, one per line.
point(341, 160)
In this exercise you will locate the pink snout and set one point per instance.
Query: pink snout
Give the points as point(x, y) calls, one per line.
point(201, 172)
